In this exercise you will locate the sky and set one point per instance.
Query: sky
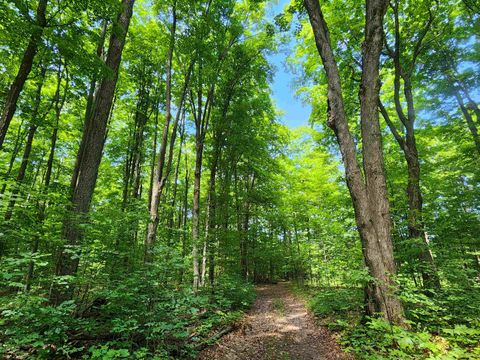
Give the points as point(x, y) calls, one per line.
point(295, 113)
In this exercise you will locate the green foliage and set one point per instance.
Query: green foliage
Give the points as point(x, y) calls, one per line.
point(443, 327)
point(30, 327)
point(136, 319)
point(378, 339)
point(328, 302)
point(274, 200)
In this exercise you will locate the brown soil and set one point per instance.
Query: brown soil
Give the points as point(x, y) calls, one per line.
point(277, 328)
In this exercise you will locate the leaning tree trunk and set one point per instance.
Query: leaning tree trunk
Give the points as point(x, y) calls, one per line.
point(25, 68)
point(369, 194)
point(83, 187)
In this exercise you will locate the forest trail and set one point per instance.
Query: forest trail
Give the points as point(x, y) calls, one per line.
point(278, 327)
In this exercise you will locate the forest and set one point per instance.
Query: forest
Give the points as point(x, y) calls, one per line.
point(156, 204)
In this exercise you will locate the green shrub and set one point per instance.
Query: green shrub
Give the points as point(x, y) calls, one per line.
point(134, 318)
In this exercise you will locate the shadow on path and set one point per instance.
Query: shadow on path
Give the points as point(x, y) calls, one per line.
point(277, 327)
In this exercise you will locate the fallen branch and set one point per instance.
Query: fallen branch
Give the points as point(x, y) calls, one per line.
point(214, 338)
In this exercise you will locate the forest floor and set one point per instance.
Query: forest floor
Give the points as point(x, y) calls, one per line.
point(278, 327)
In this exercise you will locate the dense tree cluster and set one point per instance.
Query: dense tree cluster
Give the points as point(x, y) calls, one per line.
point(146, 180)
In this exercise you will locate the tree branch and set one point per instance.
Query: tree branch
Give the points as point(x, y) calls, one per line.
point(391, 125)
point(421, 37)
point(398, 67)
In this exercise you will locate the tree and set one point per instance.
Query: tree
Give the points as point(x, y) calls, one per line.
point(162, 169)
point(89, 161)
point(405, 65)
point(149, 180)
point(25, 67)
point(368, 191)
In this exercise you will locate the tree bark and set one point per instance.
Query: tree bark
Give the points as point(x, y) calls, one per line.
point(210, 215)
point(368, 193)
point(196, 210)
point(89, 108)
point(23, 72)
point(468, 118)
point(28, 145)
point(173, 203)
point(184, 215)
point(162, 170)
point(157, 186)
point(409, 147)
point(84, 184)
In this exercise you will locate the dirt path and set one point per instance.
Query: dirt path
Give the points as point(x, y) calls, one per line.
point(277, 327)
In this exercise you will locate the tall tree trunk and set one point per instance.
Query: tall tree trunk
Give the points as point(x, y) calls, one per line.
point(196, 211)
point(244, 241)
point(141, 118)
point(162, 170)
point(202, 119)
point(173, 203)
point(25, 67)
point(242, 225)
point(59, 103)
point(84, 184)
point(157, 186)
point(28, 145)
point(184, 216)
point(415, 203)
point(409, 146)
point(210, 216)
point(154, 151)
point(89, 108)
point(369, 194)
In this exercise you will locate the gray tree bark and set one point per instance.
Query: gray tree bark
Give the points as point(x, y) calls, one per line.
point(368, 191)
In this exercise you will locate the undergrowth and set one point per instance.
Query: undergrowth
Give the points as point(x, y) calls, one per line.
point(445, 326)
point(136, 318)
